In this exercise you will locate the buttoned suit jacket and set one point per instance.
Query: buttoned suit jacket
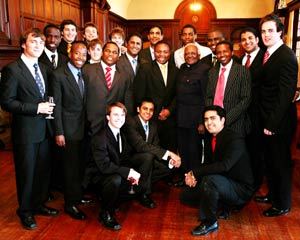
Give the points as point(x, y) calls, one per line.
point(98, 96)
point(149, 82)
point(69, 112)
point(62, 60)
point(19, 95)
point(136, 136)
point(237, 96)
point(279, 81)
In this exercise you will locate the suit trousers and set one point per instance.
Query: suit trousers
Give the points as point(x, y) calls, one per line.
point(189, 147)
point(33, 170)
point(73, 165)
point(279, 169)
point(211, 190)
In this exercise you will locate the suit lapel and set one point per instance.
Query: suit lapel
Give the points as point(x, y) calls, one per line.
point(158, 74)
point(72, 82)
point(27, 75)
point(140, 127)
point(230, 79)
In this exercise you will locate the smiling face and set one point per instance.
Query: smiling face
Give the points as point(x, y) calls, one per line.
point(213, 38)
point(249, 42)
point(34, 46)
point(146, 111)
point(90, 33)
point(269, 33)
point(69, 33)
point(213, 122)
point(134, 46)
point(110, 54)
point(95, 52)
point(53, 38)
point(162, 53)
point(188, 35)
point(154, 35)
point(78, 54)
point(223, 53)
point(118, 39)
point(116, 117)
point(191, 54)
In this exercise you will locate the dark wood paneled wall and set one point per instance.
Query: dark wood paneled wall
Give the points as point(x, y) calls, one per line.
point(18, 15)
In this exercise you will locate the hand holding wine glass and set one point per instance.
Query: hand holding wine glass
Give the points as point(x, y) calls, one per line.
point(51, 104)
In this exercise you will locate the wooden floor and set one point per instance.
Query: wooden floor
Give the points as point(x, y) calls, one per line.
point(170, 220)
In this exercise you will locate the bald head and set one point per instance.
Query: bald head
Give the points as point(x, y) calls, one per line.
point(191, 54)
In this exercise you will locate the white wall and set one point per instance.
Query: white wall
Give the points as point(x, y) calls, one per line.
point(165, 9)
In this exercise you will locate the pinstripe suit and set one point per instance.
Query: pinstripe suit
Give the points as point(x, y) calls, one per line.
point(237, 96)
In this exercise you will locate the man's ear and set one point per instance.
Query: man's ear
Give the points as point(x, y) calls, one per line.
point(107, 117)
point(138, 109)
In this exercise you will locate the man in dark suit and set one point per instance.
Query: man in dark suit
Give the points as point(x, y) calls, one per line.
point(226, 175)
point(68, 30)
point(155, 35)
point(106, 83)
point(129, 61)
point(50, 56)
point(157, 80)
point(116, 169)
point(190, 101)
point(229, 86)
point(23, 92)
point(141, 132)
point(252, 59)
point(70, 95)
point(279, 115)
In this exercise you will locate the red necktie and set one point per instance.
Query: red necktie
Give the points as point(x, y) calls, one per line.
point(219, 94)
point(266, 57)
point(248, 63)
point(213, 143)
point(108, 77)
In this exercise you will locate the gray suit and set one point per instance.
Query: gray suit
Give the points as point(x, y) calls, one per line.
point(237, 96)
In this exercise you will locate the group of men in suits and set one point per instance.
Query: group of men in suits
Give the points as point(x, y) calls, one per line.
point(93, 100)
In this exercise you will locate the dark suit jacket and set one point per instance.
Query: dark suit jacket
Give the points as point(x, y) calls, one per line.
point(62, 60)
point(229, 159)
point(190, 95)
point(63, 48)
point(256, 74)
point(149, 83)
point(279, 81)
point(236, 98)
point(106, 156)
point(136, 136)
point(98, 95)
point(19, 94)
point(145, 56)
point(69, 111)
point(124, 63)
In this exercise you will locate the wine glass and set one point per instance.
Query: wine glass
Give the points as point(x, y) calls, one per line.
point(131, 190)
point(50, 100)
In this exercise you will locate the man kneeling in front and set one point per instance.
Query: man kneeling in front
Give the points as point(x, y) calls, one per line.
point(225, 177)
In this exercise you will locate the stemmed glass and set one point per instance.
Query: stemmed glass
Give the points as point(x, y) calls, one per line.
point(131, 190)
point(50, 100)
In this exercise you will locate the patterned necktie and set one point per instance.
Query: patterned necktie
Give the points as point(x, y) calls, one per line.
point(80, 83)
point(248, 63)
point(38, 80)
point(266, 57)
point(219, 94)
point(53, 61)
point(213, 143)
point(108, 77)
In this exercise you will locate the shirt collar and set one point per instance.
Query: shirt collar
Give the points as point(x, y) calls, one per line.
point(273, 48)
point(104, 66)
point(130, 57)
point(227, 66)
point(142, 121)
point(114, 130)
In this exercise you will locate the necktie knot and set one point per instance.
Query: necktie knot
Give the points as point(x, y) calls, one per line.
point(108, 69)
point(35, 67)
point(146, 127)
point(266, 57)
point(247, 64)
point(223, 70)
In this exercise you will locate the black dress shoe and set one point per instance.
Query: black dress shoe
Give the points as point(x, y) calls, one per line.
point(75, 213)
point(263, 199)
point(47, 211)
point(109, 221)
point(28, 222)
point(85, 201)
point(146, 201)
point(274, 212)
point(205, 228)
